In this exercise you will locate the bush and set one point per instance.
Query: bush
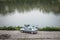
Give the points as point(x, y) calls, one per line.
point(10, 28)
point(49, 29)
point(40, 29)
point(18, 28)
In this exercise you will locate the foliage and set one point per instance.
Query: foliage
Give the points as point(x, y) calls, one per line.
point(10, 28)
point(18, 28)
point(39, 29)
point(49, 29)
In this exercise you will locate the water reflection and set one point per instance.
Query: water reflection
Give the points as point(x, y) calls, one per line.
point(8, 6)
point(33, 17)
point(35, 12)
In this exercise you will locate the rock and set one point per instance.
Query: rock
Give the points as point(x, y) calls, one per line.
point(4, 36)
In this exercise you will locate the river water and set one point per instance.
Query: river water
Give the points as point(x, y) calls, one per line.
point(32, 17)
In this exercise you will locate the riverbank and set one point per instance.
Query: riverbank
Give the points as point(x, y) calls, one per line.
point(41, 35)
point(39, 29)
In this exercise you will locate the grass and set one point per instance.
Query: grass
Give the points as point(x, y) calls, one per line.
point(40, 29)
point(49, 29)
point(10, 28)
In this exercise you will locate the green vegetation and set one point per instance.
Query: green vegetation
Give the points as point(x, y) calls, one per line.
point(10, 28)
point(8, 6)
point(40, 29)
point(49, 29)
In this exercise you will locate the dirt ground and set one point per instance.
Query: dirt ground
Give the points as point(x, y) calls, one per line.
point(41, 35)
